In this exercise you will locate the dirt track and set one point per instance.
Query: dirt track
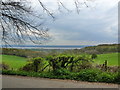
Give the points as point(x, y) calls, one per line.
point(31, 82)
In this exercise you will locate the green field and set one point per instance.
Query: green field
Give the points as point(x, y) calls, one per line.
point(14, 62)
point(112, 59)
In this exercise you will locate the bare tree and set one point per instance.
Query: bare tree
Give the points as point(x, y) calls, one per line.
point(17, 21)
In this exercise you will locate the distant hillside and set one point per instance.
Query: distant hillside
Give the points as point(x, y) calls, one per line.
point(22, 52)
point(100, 49)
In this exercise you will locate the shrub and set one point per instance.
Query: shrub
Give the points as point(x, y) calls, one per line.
point(95, 75)
point(106, 77)
point(36, 64)
point(59, 61)
point(82, 62)
point(88, 75)
point(114, 68)
point(94, 56)
point(28, 67)
point(117, 78)
point(72, 63)
point(61, 71)
point(4, 66)
point(85, 65)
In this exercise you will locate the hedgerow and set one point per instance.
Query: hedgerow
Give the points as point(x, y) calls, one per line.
point(91, 75)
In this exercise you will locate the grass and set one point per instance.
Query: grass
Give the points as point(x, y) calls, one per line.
point(112, 59)
point(14, 62)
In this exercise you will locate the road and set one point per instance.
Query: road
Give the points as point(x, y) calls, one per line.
point(32, 82)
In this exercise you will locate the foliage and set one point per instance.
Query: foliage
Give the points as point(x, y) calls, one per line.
point(69, 62)
point(106, 77)
point(4, 66)
point(91, 75)
point(88, 75)
point(28, 67)
point(61, 71)
point(117, 77)
point(96, 75)
point(94, 56)
point(60, 61)
point(85, 62)
point(36, 64)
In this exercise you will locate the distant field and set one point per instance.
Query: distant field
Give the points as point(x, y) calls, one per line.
point(111, 57)
point(13, 61)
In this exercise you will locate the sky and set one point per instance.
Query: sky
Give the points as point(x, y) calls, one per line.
point(97, 24)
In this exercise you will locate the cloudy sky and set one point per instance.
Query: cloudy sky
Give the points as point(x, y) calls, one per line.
point(96, 24)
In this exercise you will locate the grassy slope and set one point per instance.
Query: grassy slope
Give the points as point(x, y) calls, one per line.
point(14, 62)
point(111, 57)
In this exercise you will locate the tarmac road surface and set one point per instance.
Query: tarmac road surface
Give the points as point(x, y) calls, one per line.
point(32, 82)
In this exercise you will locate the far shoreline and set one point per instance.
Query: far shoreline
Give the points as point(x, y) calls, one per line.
point(42, 47)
